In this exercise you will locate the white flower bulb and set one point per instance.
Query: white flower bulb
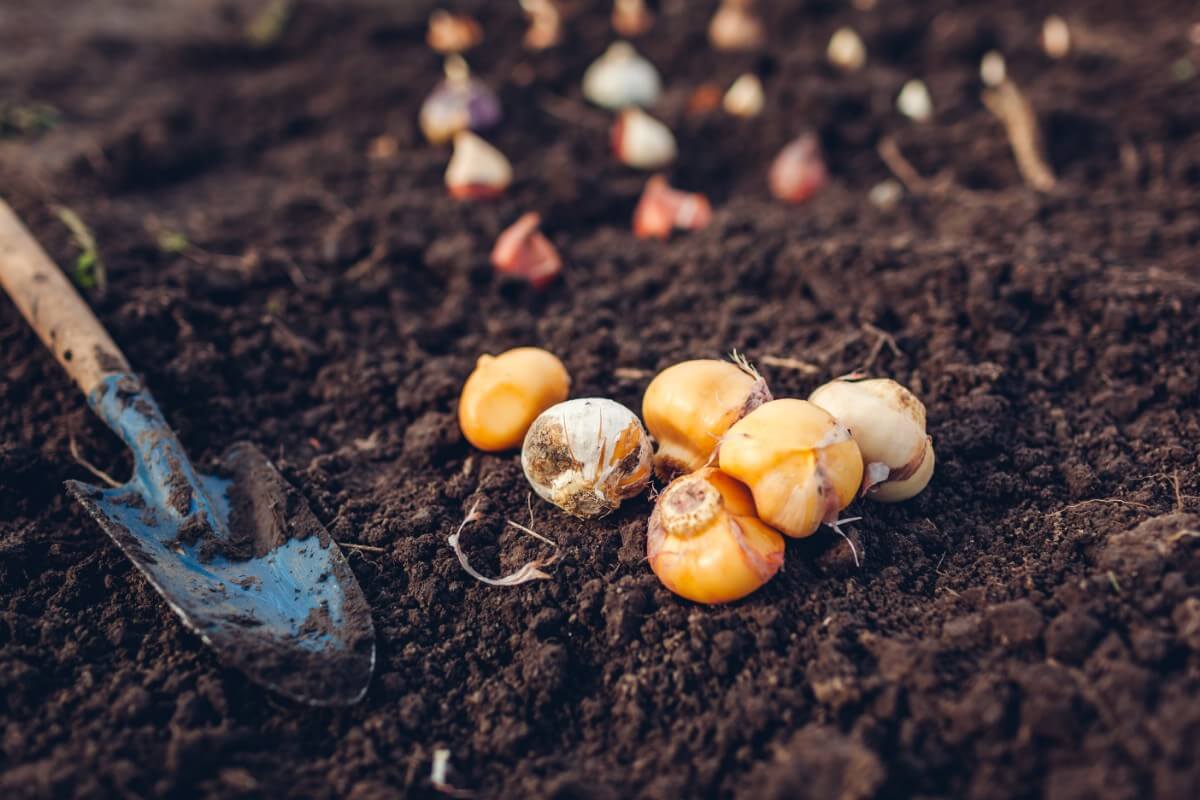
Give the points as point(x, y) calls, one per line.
point(621, 78)
point(888, 422)
point(745, 97)
point(642, 142)
point(476, 170)
point(915, 102)
point(586, 456)
point(846, 50)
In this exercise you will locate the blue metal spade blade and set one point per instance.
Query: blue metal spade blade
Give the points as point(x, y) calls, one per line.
point(238, 555)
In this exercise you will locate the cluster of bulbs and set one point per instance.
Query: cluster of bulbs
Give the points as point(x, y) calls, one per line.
point(461, 110)
point(621, 81)
point(744, 470)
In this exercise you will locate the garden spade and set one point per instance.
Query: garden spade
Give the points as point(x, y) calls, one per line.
point(237, 554)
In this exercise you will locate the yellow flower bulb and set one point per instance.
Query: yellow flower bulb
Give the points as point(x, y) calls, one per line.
point(801, 464)
point(688, 407)
point(506, 393)
point(705, 542)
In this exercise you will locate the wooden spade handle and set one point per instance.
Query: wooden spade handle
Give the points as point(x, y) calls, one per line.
point(53, 308)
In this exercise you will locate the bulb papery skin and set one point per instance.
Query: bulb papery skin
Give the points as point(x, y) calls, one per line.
point(888, 422)
point(586, 456)
point(477, 170)
point(705, 543)
point(689, 406)
point(801, 464)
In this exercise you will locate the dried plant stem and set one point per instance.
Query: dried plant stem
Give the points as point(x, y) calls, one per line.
point(1012, 108)
point(73, 446)
point(362, 268)
point(1099, 500)
point(574, 112)
point(881, 338)
point(790, 363)
point(294, 341)
point(439, 770)
point(902, 168)
point(535, 535)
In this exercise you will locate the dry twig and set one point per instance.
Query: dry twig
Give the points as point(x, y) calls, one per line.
point(906, 173)
point(790, 363)
point(1101, 500)
point(367, 548)
point(1012, 108)
point(881, 338)
point(438, 772)
point(292, 340)
point(574, 112)
point(73, 446)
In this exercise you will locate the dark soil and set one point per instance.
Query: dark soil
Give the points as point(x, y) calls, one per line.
point(1027, 627)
